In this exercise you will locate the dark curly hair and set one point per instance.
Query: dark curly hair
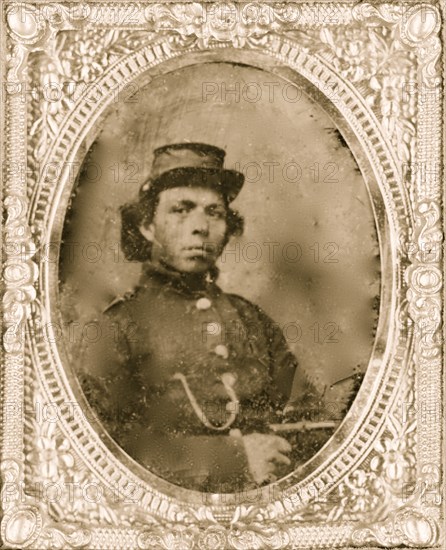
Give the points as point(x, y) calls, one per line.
point(134, 245)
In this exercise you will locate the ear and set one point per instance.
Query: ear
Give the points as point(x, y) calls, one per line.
point(148, 231)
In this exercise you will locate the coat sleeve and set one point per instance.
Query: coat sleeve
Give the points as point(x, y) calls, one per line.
point(290, 388)
point(291, 382)
point(105, 371)
point(303, 399)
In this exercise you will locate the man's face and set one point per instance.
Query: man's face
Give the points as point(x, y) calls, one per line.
point(188, 230)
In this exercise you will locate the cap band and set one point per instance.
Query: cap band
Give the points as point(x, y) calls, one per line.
point(188, 156)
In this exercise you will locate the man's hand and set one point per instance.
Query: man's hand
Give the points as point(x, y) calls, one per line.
point(263, 451)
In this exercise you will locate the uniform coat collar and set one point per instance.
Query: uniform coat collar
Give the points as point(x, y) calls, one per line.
point(188, 283)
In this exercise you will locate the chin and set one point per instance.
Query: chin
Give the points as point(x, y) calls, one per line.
point(195, 266)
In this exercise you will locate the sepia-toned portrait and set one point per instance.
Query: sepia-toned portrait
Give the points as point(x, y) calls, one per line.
point(231, 308)
point(222, 284)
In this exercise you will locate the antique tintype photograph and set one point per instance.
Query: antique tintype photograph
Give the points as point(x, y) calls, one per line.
point(222, 306)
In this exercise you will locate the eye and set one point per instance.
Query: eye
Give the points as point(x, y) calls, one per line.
point(217, 212)
point(180, 209)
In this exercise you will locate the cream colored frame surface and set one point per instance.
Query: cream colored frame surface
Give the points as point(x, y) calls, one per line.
point(376, 69)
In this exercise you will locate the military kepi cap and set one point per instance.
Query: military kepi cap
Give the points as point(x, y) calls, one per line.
point(192, 165)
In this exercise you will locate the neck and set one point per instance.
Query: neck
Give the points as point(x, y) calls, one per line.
point(187, 281)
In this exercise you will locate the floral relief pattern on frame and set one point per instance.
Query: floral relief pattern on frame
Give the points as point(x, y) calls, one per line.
point(382, 59)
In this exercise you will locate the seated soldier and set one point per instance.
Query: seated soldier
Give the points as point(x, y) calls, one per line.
point(187, 378)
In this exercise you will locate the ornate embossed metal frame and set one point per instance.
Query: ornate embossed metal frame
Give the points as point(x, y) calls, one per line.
point(376, 69)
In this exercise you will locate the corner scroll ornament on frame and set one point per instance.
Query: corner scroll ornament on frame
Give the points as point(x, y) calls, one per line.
point(388, 53)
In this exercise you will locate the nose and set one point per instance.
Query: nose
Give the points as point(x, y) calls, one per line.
point(200, 223)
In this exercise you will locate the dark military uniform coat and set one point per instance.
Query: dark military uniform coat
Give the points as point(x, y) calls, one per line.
point(182, 369)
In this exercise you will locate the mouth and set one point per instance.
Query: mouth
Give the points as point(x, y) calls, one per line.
point(206, 248)
point(199, 253)
point(195, 252)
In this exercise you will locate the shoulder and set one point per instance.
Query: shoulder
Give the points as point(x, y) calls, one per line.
point(119, 301)
point(238, 300)
point(120, 306)
point(131, 307)
point(246, 306)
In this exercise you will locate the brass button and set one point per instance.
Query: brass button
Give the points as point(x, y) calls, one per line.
point(213, 329)
point(222, 351)
point(203, 303)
